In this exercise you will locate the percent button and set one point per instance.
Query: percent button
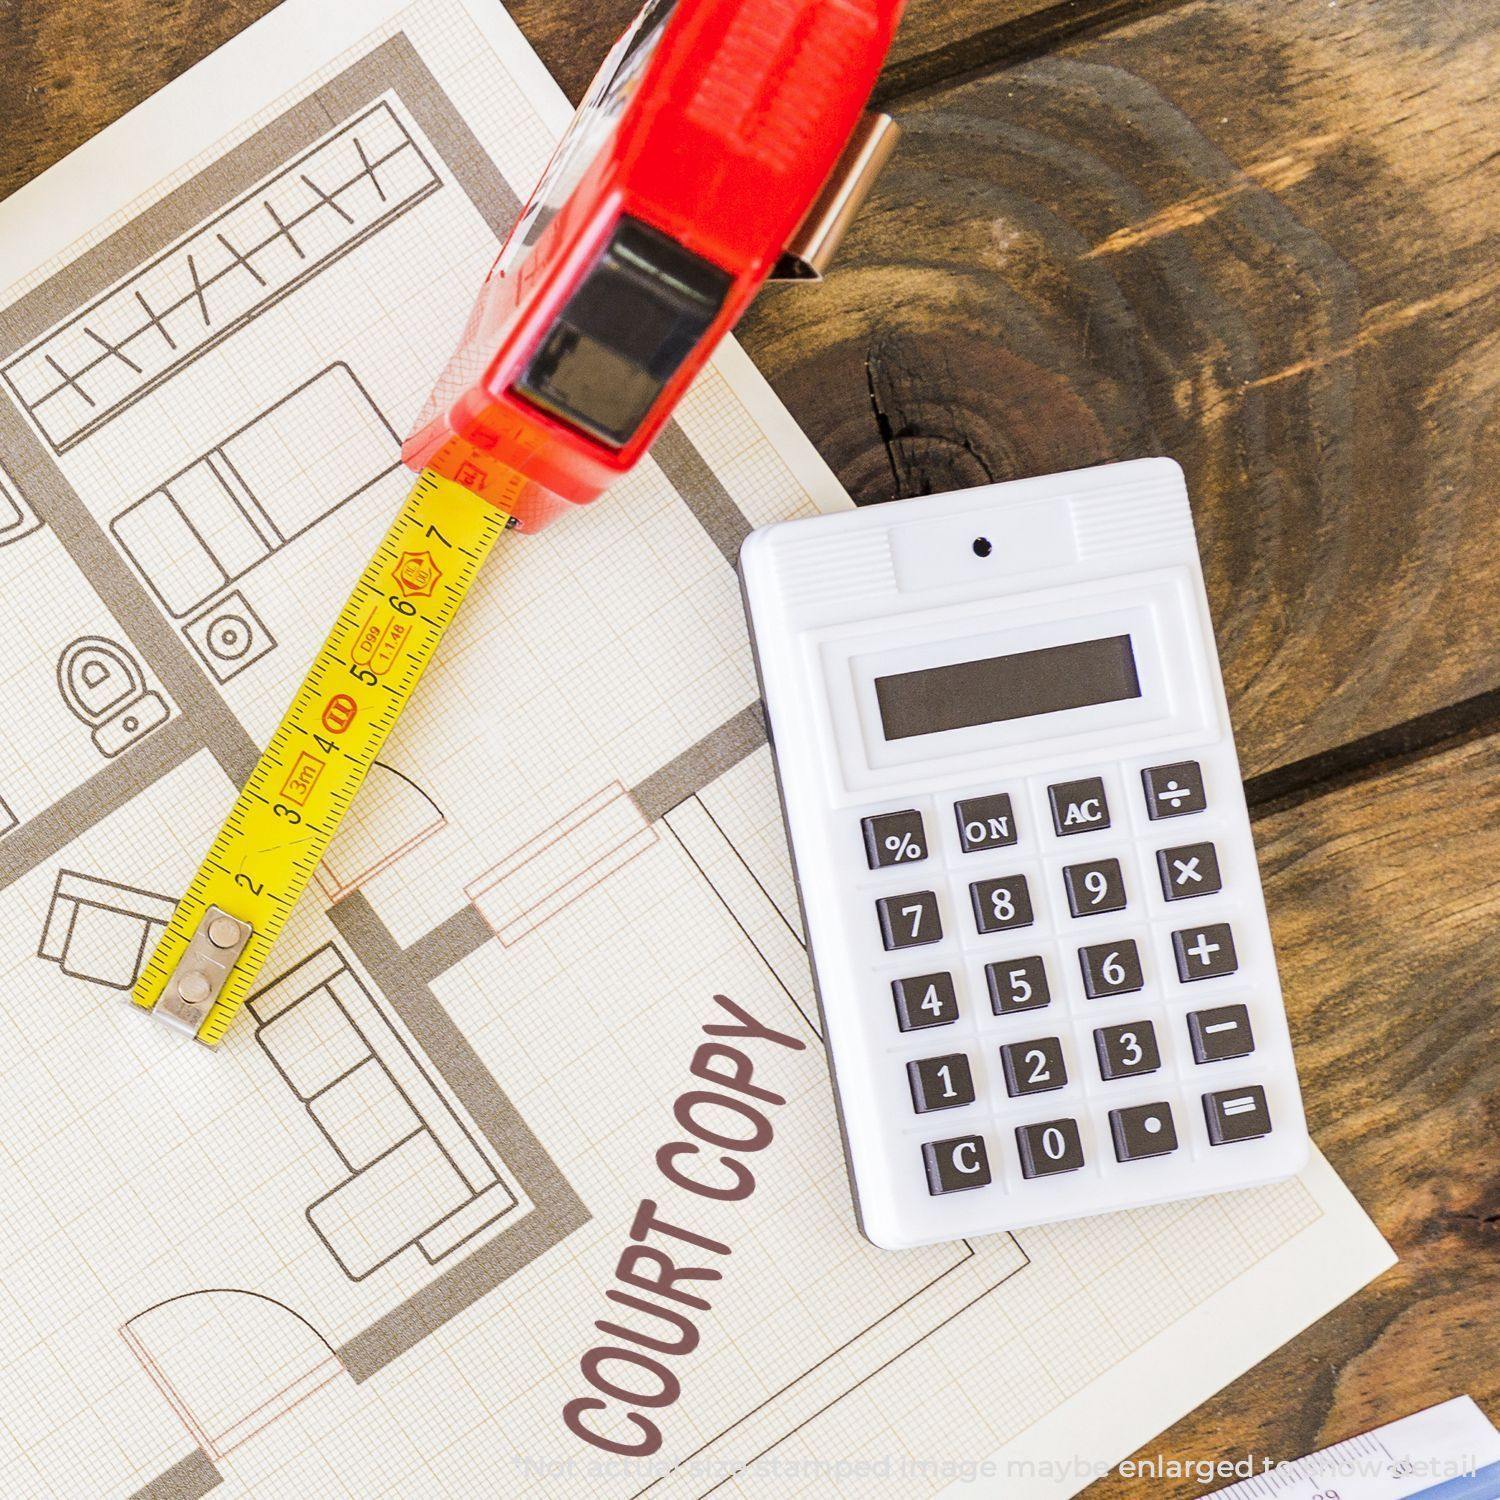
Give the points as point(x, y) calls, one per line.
point(894, 838)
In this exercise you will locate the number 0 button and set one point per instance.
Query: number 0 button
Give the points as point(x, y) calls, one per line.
point(940, 1082)
point(1110, 968)
point(1001, 904)
point(1052, 1146)
point(909, 921)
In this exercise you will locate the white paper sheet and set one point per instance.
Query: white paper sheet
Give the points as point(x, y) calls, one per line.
point(361, 1249)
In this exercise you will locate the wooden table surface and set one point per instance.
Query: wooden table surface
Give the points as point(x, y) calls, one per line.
point(1262, 237)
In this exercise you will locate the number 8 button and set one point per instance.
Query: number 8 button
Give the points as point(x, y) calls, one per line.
point(1001, 904)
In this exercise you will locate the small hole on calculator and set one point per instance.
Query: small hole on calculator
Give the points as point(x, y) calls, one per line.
point(982, 546)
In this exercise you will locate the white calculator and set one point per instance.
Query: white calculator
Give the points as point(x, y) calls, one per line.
point(1024, 858)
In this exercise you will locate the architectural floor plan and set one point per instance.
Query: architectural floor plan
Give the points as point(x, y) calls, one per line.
point(353, 1251)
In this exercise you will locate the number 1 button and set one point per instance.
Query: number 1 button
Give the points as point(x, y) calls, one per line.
point(940, 1082)
point(909, 921)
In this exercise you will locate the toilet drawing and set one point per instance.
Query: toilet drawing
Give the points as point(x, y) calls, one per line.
point(104, 686)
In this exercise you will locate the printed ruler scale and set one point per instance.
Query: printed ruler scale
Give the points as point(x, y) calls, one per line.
point(1447, 1452)
point(291, 806)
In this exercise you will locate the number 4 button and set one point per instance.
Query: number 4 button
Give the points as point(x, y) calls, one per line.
point(925, 1000)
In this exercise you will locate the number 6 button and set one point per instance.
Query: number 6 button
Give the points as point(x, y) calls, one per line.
point(909, 921)
point(1111, 968)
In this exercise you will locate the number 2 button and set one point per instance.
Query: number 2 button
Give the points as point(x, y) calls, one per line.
point(1001, 904)
point(909, 921)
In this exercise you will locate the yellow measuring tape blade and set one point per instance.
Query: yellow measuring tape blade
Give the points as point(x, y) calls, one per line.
point(358, 684)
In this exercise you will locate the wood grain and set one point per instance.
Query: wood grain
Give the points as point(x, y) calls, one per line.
point(70, 67)
point(1259, 238)
point(1385, 906)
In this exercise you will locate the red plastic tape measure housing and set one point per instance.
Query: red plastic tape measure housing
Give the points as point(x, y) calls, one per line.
point(706, 136)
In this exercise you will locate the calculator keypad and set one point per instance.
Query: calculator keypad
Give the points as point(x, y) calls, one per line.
point(1044, 889)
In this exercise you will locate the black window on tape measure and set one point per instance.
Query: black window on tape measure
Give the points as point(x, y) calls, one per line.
point(965, 694)
point(624, 333)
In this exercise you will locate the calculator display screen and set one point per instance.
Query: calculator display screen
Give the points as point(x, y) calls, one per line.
point(967, 693)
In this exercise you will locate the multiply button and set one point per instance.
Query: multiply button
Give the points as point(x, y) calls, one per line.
point(1204, 952)
point(957, 1164)
point(1189, 870)
point(1079, 806)
point(896, 838)
point(985, 822)
point(1174, 791)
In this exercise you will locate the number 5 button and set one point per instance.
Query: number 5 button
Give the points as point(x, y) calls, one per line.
point(909, 921)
